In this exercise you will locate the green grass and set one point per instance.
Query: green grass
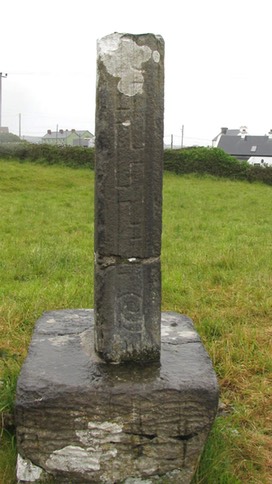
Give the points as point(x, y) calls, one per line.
point(217, 268)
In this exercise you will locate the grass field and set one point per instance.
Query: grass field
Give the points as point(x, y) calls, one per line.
point(217, 269)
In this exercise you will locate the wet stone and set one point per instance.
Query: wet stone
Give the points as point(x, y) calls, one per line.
point(128, 316)
point(82, 420)
point(128, 196)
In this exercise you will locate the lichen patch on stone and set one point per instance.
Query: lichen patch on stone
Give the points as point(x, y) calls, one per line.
point(26, 471)
point(73, 458)
point(100, 433)
point(60, 339)
point(123, 58)
point(156, 56)
point(187, 334)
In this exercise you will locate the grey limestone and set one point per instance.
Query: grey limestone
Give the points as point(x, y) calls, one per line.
point(128, 315)
point(82, 420)
point(128, 195)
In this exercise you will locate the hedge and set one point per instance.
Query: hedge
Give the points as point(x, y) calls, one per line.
point(212, 161)
point(73, 156)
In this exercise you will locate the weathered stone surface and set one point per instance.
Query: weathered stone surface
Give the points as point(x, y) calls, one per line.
point(27, 471)
point(128, 196)
point(128, 315)
point(83, 420)
point(129, 145)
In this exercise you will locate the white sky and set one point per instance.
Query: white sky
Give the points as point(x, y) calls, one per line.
point(217, 67)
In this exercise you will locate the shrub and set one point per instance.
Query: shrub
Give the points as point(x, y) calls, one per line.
point(204, 160)
point(259, 173)
point(73, 156)
point(9, 138)
point(214, 161)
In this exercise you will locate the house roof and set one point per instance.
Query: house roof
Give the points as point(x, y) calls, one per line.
point(232, 132)
point(226, 131)
point(83, 132)
point(33, 139)
point(63, 134)
point(246, 145)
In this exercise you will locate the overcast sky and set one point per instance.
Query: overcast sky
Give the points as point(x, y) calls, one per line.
point(217, 68)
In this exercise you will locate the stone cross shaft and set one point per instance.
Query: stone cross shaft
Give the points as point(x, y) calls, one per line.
point(128, 196)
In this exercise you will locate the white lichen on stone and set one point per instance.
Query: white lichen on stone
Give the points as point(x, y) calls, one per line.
point(100, 433)
point(123, 58)
point(112, 427)
point(156, 56)
point(60, 339)
point(74, 458)
point(187, 334)
point(172, 333)
point(26, 471)
point(137, 480)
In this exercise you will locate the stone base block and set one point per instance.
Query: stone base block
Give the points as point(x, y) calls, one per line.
point(81, 420)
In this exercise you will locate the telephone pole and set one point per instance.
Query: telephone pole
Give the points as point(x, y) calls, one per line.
point(182, 136)
point(20, 125)
point(1, 75)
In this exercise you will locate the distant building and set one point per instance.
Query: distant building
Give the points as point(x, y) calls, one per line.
point(4, 130)
point(257, 150)
point(67, 137)
point(32, 139)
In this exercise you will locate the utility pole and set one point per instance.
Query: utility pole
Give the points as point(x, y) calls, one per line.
point(1, 75)
point(182, 136)
point(20, 125)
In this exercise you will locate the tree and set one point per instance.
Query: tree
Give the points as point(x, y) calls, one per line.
point(9, 138)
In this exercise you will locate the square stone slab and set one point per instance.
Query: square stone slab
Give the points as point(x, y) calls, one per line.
point(82, 420)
